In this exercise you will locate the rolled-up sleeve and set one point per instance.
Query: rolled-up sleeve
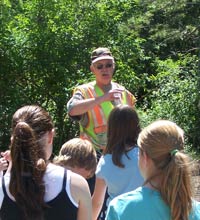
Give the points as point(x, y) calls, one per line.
point(72, 102)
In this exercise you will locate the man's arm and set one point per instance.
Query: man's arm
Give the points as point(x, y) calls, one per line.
point(79, 107)
point(82, 106)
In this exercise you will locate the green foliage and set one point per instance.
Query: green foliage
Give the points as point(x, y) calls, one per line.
point(175, 96)
point(45, 52)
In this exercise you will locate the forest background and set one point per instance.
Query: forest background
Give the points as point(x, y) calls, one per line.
point(45, 48)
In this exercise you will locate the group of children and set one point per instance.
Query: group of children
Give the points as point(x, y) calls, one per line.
point(151, 161)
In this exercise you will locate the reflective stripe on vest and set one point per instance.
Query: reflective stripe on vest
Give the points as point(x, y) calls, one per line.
point(96, 129)
point(97, 113)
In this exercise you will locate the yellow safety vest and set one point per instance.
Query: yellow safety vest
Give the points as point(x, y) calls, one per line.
point(96, 128)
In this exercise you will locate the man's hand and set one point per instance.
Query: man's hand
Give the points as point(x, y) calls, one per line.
point(114, 94)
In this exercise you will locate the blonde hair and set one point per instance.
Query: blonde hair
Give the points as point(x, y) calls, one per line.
point(77, 153)
point(163, 142)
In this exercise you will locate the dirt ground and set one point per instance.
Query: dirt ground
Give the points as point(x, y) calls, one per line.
point(197, 187)
point(196, 182)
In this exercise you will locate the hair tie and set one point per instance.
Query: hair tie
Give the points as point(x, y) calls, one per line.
point(173, 152)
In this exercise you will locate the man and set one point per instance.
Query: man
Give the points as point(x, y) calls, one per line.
point(91, 103)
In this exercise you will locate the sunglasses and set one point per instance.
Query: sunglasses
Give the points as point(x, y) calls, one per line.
point(101, 66)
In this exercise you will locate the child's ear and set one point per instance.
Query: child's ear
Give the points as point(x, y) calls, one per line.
point(51, 136)
point(11, 139)
point(146, 158)
point(148, 163)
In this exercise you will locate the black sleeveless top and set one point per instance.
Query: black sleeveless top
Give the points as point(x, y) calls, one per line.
point(59, 208)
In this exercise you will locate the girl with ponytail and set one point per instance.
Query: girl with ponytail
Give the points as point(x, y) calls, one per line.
point(34, 188)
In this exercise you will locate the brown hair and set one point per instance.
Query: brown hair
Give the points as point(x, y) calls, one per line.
point(123, 131)
point(163, 142)
point(77, 153)
point(29, 126)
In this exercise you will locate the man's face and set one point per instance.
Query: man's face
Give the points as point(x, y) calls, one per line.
point(103, 71)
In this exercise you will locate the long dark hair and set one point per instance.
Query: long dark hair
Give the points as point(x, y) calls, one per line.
point(123, 131)
point(29, 125)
